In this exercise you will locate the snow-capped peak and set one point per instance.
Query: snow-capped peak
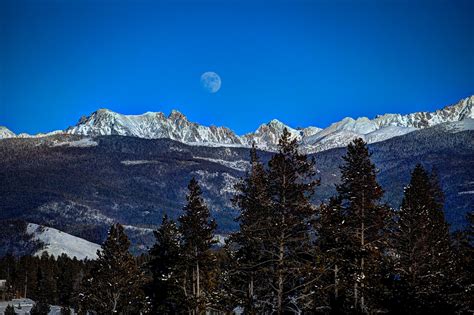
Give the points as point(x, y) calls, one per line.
point(386, 126)
point(456, 112)
point(6, 133)
point(175, 115)
point(267, 135)
point(152, 126)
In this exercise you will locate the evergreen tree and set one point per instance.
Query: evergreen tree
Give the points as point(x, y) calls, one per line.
point(115, 282)
point(464, 273)
point(9, 310)
point(291, 184)
point(250, 264)
point(65, 311)
point(425, 261)
point(40, 308)
point(466, 263)
point(368, 227)
point(197, 230)
point(67, 271)
point(334, 245)
point(46, 290)
point(165, 261)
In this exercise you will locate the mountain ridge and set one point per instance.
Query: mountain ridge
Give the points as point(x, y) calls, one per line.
point(176, 126)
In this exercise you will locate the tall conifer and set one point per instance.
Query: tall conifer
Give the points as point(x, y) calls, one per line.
point(197, 230)
point(368, 222)
point(165, 262)
point(291, 184)
point(115, 282)
point(250, 274)
point(423, 245)
point(335, 249)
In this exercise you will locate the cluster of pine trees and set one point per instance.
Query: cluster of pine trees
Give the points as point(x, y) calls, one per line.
point(46, 279)
point(353, 254)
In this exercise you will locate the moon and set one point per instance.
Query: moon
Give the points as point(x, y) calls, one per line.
point(211, 81)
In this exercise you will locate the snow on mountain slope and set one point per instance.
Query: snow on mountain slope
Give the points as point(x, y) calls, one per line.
point(384, 127)
point(387, 133)
point(6, 133)
point(462, 110)
point(39, 135)
point(458, 126)
point(57, 243)
point(152, 126)
point(177, 127)
point(267, 135)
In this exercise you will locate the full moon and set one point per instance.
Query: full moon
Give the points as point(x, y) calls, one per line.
point(211, 82)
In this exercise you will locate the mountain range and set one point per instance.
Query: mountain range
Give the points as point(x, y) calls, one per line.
point(176, 126)
point(133, 169)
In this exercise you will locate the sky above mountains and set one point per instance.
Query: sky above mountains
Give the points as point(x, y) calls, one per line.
point(303, 62)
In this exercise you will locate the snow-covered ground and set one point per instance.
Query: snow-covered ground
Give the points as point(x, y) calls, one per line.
point(23, 307)
point(57, 243)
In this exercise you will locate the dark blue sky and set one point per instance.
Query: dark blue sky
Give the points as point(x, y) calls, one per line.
point(305, 63)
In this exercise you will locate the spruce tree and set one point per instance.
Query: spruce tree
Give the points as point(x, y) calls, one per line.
point(368, 227)
point(165, 266)
point(291, 184)
point(40, 308)
point(115, 282)
point(250, 263)
point(425, 260)
point(463, 280)
point(466, 263)
point(46, 291)
point(334, 246)
point(9, 310)
point(197, 230)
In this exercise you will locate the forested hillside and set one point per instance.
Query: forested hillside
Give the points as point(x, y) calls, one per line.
point(82, 185)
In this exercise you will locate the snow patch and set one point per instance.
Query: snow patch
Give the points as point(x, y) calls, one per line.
point(58, 242)
point(469, 192)
point(138, 162)
point(82, 143)
point(239, 165)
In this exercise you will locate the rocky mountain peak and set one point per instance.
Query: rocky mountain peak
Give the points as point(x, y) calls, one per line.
point(6, 133)
point(176, 115)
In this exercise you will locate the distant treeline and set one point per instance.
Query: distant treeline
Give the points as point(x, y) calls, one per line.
point(15, 239)
point(353, 254)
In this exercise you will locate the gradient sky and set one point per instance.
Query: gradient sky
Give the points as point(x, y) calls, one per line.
point(305, 63)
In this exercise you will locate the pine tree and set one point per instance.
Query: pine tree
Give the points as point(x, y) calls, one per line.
point(334, 246)
point(463, 281)
point(40, 308)
point(197, 230)
point(115, 282)
point(68, 270)
point(466, 263)
point(165, 266)
point(423, 245)
point(291, 184)
point(46, 290)
point(250, 263)
point(9, 310)
point(368, 226)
